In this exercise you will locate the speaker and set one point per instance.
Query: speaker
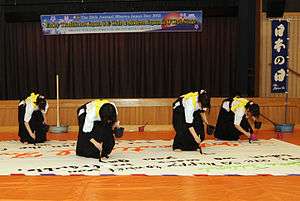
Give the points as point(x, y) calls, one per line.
point(275, 8)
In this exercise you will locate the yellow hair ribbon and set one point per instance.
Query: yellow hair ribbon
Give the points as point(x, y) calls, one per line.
point(32, 98)
point(98, 104)
point(192, 95)
point(242, 103)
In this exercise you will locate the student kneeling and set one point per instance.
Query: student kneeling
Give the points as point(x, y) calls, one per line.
point(189, 119)
point(97, 122)
point(235, 118)
point(31, 116)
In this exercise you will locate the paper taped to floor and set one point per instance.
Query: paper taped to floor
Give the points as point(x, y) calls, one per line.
point(153, 157)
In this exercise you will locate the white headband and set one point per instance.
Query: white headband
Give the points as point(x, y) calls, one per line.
point(203, 91)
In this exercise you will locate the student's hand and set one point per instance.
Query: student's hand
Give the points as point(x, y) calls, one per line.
point(253, 137)
point(99, 147)
point(33, 136)
point(100, 153)
point(248, 134)
point(198, 140)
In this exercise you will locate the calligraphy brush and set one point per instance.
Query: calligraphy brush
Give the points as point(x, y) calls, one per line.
point(200, 149)
point(100, 151)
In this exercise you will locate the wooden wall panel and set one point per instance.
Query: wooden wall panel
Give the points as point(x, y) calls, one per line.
point(151, 111)
point(266, 52)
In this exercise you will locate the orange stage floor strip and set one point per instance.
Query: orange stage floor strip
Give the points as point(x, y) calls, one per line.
point(161, 135)
point(78, 188)
point(212, 188)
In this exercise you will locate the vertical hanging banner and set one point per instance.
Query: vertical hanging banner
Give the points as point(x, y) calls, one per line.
point(279, 56)
point(161, 21)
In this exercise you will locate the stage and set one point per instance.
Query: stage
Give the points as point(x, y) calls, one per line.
point(136, 185)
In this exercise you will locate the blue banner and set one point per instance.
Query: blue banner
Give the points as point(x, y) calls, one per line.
point(279, 56)
point(122, 22)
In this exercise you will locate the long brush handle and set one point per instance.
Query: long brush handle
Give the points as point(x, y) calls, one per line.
point(200, 149)
point(57, 102)
point(295, 72)
point(274, 123)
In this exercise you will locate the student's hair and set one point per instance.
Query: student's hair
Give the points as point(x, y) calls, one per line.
point(108, 114)
point(253, 108)
point(41, 102)
point(204, 99)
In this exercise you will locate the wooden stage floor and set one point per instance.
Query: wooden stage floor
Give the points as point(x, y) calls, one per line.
point(78, 188)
